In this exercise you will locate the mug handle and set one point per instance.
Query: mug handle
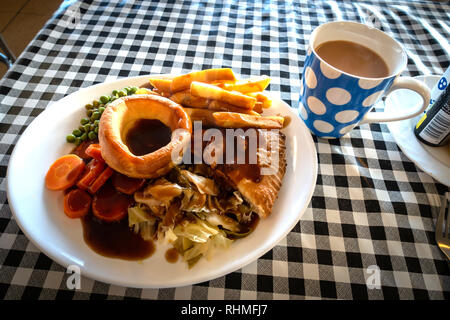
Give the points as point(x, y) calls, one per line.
point(401, 83)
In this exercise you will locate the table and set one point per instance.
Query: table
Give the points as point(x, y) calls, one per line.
point(372, 212)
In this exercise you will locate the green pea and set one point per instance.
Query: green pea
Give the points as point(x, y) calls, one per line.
point(122, 93)
point(87, 127)
point(115, 92)
point(84, 137)
point(88, 106)
point(89, 113)
point(95, 103)
point(101, 109)
point(81, 128)
point(84, 121)
point(133, 90)
point(96, 122)
point(77, 141)
point(95, 116)
point(76, 132)
point(96, 130)
point(105, 99)
point(92, 135)
point(71, 138)
point(92, 127)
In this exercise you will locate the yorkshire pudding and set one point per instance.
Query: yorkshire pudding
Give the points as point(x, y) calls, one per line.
point(117, 121)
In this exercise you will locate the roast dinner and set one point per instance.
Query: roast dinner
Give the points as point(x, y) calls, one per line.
point(190, 160)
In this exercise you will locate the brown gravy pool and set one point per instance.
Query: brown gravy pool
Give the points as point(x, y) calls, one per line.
point(115, 239)
point(147, 136)
point(171, 255)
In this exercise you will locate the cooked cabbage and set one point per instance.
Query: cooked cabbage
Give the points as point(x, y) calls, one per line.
point(163, 190)
point(223, 221)
point(142, 222)
point(156, 206)
point(196, 250)
point(208, 220)
point(170, 236)
point(204, 185)
point(136, 215)
point(221, 241)
point(196, 231)
point(196, 202)
point(196, 238)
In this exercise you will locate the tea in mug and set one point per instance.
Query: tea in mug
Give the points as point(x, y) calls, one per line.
point(353, 58)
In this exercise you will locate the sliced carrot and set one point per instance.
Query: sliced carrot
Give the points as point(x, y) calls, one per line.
point(64, 172)
point(77, 203)
point(93, 169)
point(110, 205)
point(94, 151)
point(126, 184)
point(101, 180)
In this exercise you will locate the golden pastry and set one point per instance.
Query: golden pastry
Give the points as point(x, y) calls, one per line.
point(139, 133)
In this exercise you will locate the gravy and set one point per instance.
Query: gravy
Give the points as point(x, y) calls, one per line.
point(147, 136)
point(171, 255)
point(115, 239)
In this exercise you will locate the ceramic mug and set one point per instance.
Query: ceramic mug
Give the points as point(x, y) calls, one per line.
point(333, 102)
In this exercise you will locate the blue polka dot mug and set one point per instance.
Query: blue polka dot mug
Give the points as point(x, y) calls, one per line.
point(333, 102)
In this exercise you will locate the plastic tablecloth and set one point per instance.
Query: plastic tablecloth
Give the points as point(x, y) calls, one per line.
point(372, 209)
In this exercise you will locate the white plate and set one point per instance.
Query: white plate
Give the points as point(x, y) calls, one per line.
point(433, 160)
point(40, 215)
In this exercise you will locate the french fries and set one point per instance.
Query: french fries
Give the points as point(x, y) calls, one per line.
point(144, 91)
point(258, 108)
point(223, 106)
point(208, 118)
point(217, 99)
point(209, 91)
point(256, 84)
point(184, 81)
point(239, 120)
point(162, 85)
point(185, 98)
point(203, 115)
point(262, 98)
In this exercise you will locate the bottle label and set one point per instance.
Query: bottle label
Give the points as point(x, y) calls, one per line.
point(438, 128)
point(438, 88)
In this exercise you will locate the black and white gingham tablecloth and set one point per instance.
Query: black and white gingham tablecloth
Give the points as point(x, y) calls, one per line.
point(372, 206)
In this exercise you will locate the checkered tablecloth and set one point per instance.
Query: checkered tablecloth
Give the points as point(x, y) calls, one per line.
point(372, 210)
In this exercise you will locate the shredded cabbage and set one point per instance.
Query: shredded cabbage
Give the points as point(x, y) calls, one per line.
point(222, 220)
point(163, 190)
point(196, 250)
point(137, 215)
point(170, 236)
point(198, 231)
point(142, 222)
point(221, 241)
point(196, 202)
point(209, 222)
point(204, 185)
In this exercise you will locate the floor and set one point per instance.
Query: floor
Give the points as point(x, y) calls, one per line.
point(20, 20)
